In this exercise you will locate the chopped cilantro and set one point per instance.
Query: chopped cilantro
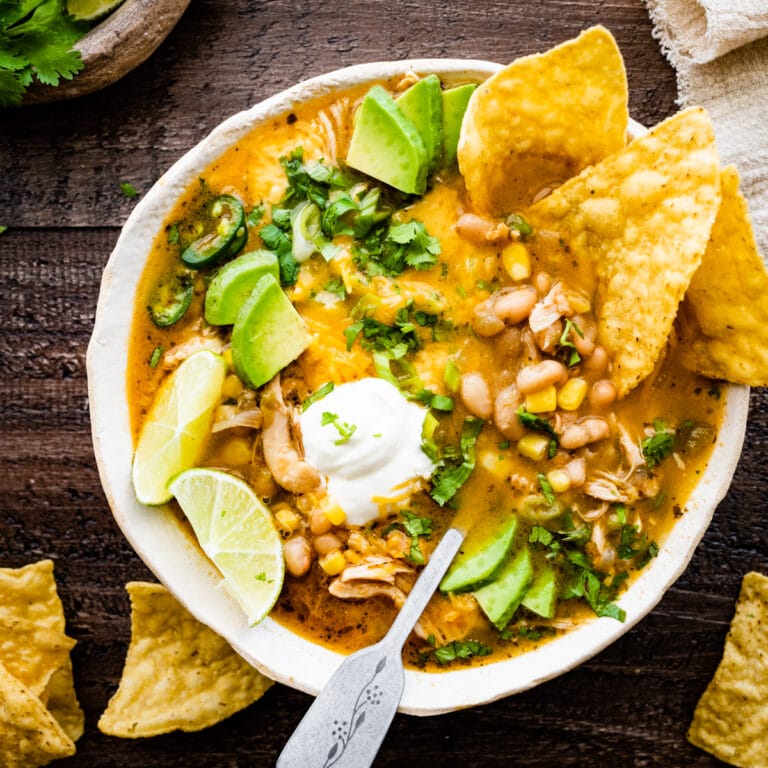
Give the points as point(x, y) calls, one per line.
point(460, 649)
point(390, 250)
point(255, 216)
point(345, 430)
point(173, 234)
point(451, 475)
point(572, 357)
point(546, 488)
point(3, 228)
point(659, 445)
point(519, 224)
point(628, 539)
point(154, 359)
point(318, 394)
point(336, 287)
point(128, 189)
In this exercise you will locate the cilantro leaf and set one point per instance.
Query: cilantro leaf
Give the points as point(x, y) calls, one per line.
point(344, 429)
point(461, 649)
point(318, 394)
point(389, 251)
point(659, 445)
point(450, 477)
point(538, 424)
point(36, 43)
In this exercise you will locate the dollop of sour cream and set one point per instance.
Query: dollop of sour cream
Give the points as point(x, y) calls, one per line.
point(366, 438)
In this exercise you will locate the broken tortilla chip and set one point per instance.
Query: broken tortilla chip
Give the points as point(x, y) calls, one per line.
point(724, 317)
point(634, 228)
point(178, 674)
point(29, 594)
point(31, 653)
point(29, 734)
point(731, 718)
point(543, 119)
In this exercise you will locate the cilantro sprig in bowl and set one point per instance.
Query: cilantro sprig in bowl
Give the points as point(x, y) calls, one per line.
point(60, 49)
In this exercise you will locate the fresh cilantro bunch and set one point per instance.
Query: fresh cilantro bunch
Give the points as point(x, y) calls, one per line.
point(36, 39)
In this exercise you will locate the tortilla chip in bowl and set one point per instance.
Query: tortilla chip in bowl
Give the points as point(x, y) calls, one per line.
point(170, 549)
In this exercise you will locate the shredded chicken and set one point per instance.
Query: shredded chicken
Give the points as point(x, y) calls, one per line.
point(364, 590)
point(550, 309)
point(230, 417)
point(281, 452)
point(206, 339)
point(375, 568)
point(448, 620)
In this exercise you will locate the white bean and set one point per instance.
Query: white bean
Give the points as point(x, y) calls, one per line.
point(298, 555)
point(534, 378)
point(602, 394)
point(514, 306)
point(588, 430)
point(476, 395)
point(505, 413)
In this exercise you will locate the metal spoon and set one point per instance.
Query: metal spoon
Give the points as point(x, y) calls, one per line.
point(348, 720)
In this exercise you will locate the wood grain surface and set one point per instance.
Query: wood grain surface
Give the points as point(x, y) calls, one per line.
point(62, 166)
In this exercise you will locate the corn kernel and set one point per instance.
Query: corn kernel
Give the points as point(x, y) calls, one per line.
point(579, 303)
point(542, 401)
point(235, 451)
point(535, 447)
point(559, 480)
point(333, 513)
point(287, 520)
point(352, 557)
point(572, 393)
point(227, 355)
point(232, 387)
point(516, 261)
point(333, 563)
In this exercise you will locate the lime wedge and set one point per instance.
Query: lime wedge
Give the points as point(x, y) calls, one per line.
point(90, 10)
point(177, 425)
point(236, 531)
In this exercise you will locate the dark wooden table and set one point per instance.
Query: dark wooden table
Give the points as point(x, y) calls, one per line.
point(62, 166)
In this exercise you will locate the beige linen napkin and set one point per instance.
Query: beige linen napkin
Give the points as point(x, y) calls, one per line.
point(719, 49)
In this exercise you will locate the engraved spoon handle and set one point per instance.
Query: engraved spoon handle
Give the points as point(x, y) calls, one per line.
point(348, 720)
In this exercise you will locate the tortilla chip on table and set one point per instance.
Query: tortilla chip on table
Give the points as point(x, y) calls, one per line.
point(178, 673)
point(29, 603)
point(731, 718)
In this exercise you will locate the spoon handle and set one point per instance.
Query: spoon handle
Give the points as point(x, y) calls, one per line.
point(348, 720)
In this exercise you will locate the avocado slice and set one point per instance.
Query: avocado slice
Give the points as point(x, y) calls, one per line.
point(386, 145)
point(455, 102)
point(233, 283)
point(541, 597)
point(479, 562)
point(501, 598)
point(268, 333)
point(422, 104)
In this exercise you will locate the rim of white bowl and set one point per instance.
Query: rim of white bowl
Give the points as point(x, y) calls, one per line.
point(192, 579)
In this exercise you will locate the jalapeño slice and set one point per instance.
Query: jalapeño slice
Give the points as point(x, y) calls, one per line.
point(228, 235)
point(171, 299)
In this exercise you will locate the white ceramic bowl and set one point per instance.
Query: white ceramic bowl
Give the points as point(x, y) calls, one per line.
point(157, 538)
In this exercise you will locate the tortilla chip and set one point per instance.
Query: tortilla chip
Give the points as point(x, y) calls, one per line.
point(29, 594)
point(31, 653)
point(724, 317)
point(61, 700)
point(29, 735)
point(178, 674)
point(543, 119)
point(635, 227)
point(731, 718)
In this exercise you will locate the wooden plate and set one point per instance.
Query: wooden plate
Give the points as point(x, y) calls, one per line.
point(121, 42)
